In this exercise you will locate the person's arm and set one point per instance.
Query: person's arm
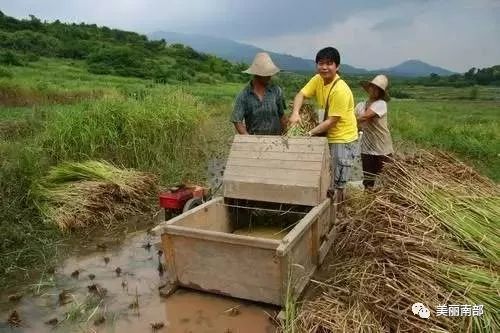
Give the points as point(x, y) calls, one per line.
point(297, 104)
point(241, 128)
point(366, 115)
point(284, 123)
point(308, 91)
point(238, 115)
point(376, 109)
point(281, 110)
point(324, 126)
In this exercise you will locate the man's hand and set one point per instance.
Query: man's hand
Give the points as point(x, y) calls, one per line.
point(294, 118)
point(297, 104)
point(241, 128)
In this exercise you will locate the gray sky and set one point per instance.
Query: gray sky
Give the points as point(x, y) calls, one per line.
point(455, 34)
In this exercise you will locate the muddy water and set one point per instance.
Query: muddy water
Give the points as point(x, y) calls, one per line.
point(128, 301)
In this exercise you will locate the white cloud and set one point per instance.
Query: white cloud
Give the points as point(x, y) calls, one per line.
point(455, 34)
point(453, 37)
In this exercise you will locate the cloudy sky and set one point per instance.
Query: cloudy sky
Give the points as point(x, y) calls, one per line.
point(455, 34)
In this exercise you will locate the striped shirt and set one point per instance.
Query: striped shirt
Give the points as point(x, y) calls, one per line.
point(260, 117)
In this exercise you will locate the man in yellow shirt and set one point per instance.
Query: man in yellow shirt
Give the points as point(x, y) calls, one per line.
point(335, 98)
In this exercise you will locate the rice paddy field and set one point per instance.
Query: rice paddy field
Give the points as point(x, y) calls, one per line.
point(64, 130)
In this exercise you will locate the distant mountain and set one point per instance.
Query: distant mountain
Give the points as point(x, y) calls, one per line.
point(414, 68)
point(239, 52)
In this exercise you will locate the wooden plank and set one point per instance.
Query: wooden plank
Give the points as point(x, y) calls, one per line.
point(314, 246)
point(325, 246)
point(265, 180)
point(301, 260)
point(299, 176)
point(288, 242)
point(273, 138)
point(159, 229)
point(280, 156)
point(249, 241)
point(284, 277)
point(168, 251)
point(277, 147)
point(228, 269)
point(281, 193)
point(275, 164)
point(212, 218)
point(325, 222)
point(325, 174)
point(299, 288)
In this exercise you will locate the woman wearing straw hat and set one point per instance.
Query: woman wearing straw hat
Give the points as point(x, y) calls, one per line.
point(376, 141)
point(260, 106)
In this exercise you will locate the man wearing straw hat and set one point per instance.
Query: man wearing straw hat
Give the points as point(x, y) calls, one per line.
point(260, 107)
point(337, 118)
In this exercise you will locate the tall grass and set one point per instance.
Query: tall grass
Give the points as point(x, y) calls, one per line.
point(468, 129)
point(163, 133)
point(25, 241)
point(160, 133)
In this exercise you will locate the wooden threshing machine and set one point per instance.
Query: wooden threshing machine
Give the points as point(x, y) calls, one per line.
point(287, 177)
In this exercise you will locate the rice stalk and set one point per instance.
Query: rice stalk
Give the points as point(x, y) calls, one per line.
point(75, 195)
point(427, 235)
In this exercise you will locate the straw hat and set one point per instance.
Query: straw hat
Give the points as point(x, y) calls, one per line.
point(380, 81)
point(262, 65)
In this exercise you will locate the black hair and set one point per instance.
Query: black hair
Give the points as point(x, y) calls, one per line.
point(329, 54)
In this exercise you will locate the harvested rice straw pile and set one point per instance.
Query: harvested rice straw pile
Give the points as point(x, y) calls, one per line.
point(429, 235)
point(75, 195)
point(309, 121)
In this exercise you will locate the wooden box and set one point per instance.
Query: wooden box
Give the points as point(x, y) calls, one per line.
point(202, 250)
point(278, 169)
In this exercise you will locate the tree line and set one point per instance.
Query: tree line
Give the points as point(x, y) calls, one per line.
point(110, 51)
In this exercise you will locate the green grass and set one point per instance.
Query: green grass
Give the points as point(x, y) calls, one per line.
point(136, 124)
point(171, 130)
point(468, 129)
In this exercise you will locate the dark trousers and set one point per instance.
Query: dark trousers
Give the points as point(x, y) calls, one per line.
point(372, 165)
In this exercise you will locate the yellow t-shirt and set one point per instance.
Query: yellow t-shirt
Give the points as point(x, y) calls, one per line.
point(341, 104)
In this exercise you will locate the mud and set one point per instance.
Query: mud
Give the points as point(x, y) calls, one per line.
point(102, 298)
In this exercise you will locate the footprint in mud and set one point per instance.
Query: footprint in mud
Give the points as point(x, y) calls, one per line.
point(15, 297)
point(102, 246)
point(64, 297)
point(97, 290)
point(91, 276)
point(118, 271)
point(75, 274)
point(157, 326)
point(124, 284)
point(106, 260)
point(52, 322)
point(14, 319)
point(99, 321)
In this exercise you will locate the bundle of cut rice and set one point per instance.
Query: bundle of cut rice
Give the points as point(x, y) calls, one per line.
point(75, 195)
point(309, 120)
point(430, 234)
